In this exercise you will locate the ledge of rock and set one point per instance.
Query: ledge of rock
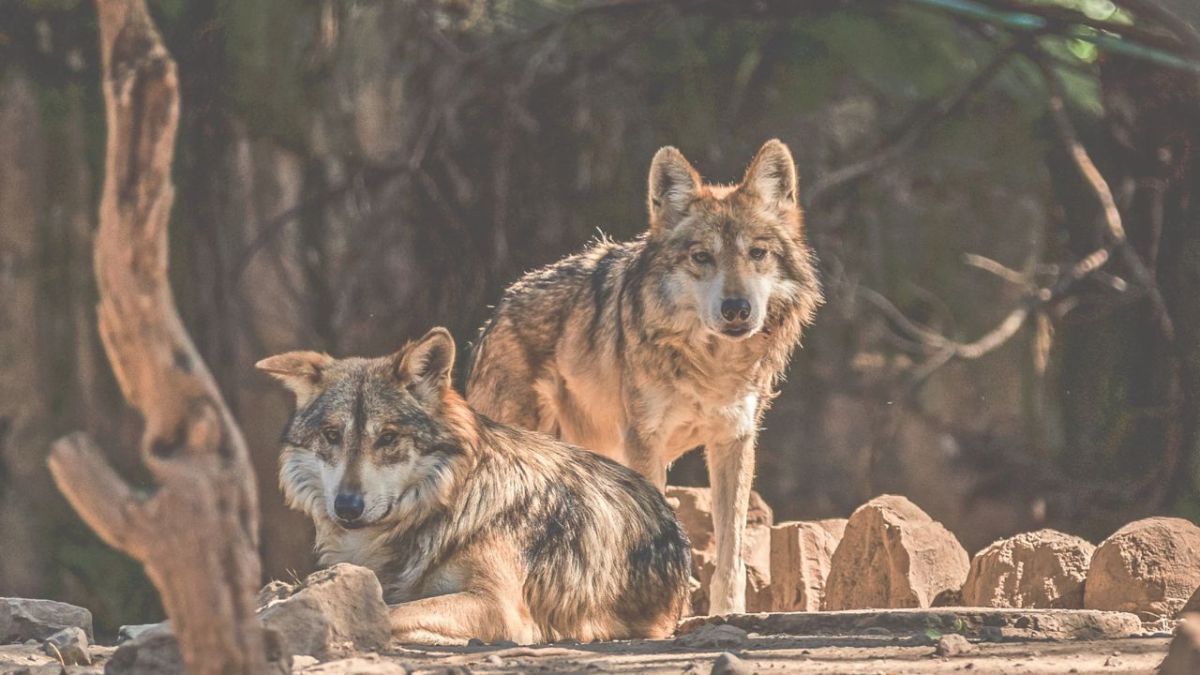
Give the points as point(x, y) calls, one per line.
point(972, 622)
point(1150, 566)
point(893, 555)
point(1043, 569)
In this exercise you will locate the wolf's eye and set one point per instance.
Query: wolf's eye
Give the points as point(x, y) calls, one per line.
point(757, 253)
point(385, 439)
point(332, 434)
point(702, 257)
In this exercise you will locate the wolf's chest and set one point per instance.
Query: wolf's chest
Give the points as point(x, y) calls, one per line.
point(687, 418)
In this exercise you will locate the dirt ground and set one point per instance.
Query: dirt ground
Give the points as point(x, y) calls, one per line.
point(864, 655)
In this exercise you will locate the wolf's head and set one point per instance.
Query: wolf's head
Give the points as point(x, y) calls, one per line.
point(373, 441)
point(732, 254)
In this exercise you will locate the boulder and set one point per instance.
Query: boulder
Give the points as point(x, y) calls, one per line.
point(335, 611)
point(800, 556)
point(693, 508)
point(22, 619)
point(70, 646)
point(953, 645)
point(893, 555)
point(1149, 567)
point(728, 663)
point(1044, 569)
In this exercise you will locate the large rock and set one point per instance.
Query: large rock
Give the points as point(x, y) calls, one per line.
point(801, 553)
point(1044, 569)
point(693, 508)
point(893, 555)
point(1149, 567)
point(334, 612)
point(22, 619)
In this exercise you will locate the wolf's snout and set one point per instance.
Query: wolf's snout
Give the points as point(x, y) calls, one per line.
point(349, 506)
point(735, 309)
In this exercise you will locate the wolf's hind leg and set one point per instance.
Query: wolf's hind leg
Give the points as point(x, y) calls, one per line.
point(455, 618)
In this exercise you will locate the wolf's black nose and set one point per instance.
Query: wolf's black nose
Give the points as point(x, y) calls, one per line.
point(348, 505)
point(735, 309)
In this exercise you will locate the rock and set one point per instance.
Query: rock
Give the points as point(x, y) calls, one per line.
point(1043, 569)
point(1150, 567)
point(151, 652)
point(303, 661)
point(953, 645)
point(335, 611)
point(714, 635)
point(893, 555)
point(43, 669)
point(23, 619)
point(155, 651)
point(127, 633)
point(730, 664)
point(693, 508)
point(274, 590)
point(800, 557)
point(69, 645)
point(357, 666)
point(1183, 657)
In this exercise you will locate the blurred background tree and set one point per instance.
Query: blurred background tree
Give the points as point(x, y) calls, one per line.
point(352, 172)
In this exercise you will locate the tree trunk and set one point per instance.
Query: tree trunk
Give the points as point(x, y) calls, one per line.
point(197, 534)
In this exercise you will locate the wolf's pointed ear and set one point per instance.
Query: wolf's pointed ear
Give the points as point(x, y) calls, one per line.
point(425, 366)
point(299, 371)
point(673, 185)
point(772, 174)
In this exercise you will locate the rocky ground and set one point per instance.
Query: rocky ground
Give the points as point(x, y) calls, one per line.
point(753, 654)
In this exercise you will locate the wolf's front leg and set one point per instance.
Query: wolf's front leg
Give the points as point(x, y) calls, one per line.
point(455, 618)
point(730, 473)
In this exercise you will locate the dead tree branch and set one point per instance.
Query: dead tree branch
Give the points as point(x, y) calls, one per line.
point(197, 533)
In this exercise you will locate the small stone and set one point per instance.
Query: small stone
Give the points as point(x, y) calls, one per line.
point(714, 635)
point(1111, 662)
point(302, 661)
point(476, 642)
point(953, 645)
point(730, 664)
point(358, 666)
point(495, 660)
point(70, 646)
point(876, 631)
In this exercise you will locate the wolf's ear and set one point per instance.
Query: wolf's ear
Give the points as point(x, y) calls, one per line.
point(772, 174)
point(299, 371)
point(673, 185)
point(426, 365)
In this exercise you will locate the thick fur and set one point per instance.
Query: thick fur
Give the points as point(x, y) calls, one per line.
point(623, 349)
point(475, 528)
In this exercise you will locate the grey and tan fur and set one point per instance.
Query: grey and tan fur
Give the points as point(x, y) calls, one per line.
point(643, 350)
point(475, 529)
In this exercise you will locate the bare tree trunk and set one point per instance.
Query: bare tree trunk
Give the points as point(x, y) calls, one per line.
point(197, 534)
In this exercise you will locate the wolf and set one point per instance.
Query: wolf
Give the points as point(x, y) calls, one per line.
point(644, 350)
point(474, 528)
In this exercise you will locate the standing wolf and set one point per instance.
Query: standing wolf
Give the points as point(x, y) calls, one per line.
point(641, 351)
point(476, 528)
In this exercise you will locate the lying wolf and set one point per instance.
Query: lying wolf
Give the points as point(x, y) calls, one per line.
point(641, 351)
point(475, 528)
